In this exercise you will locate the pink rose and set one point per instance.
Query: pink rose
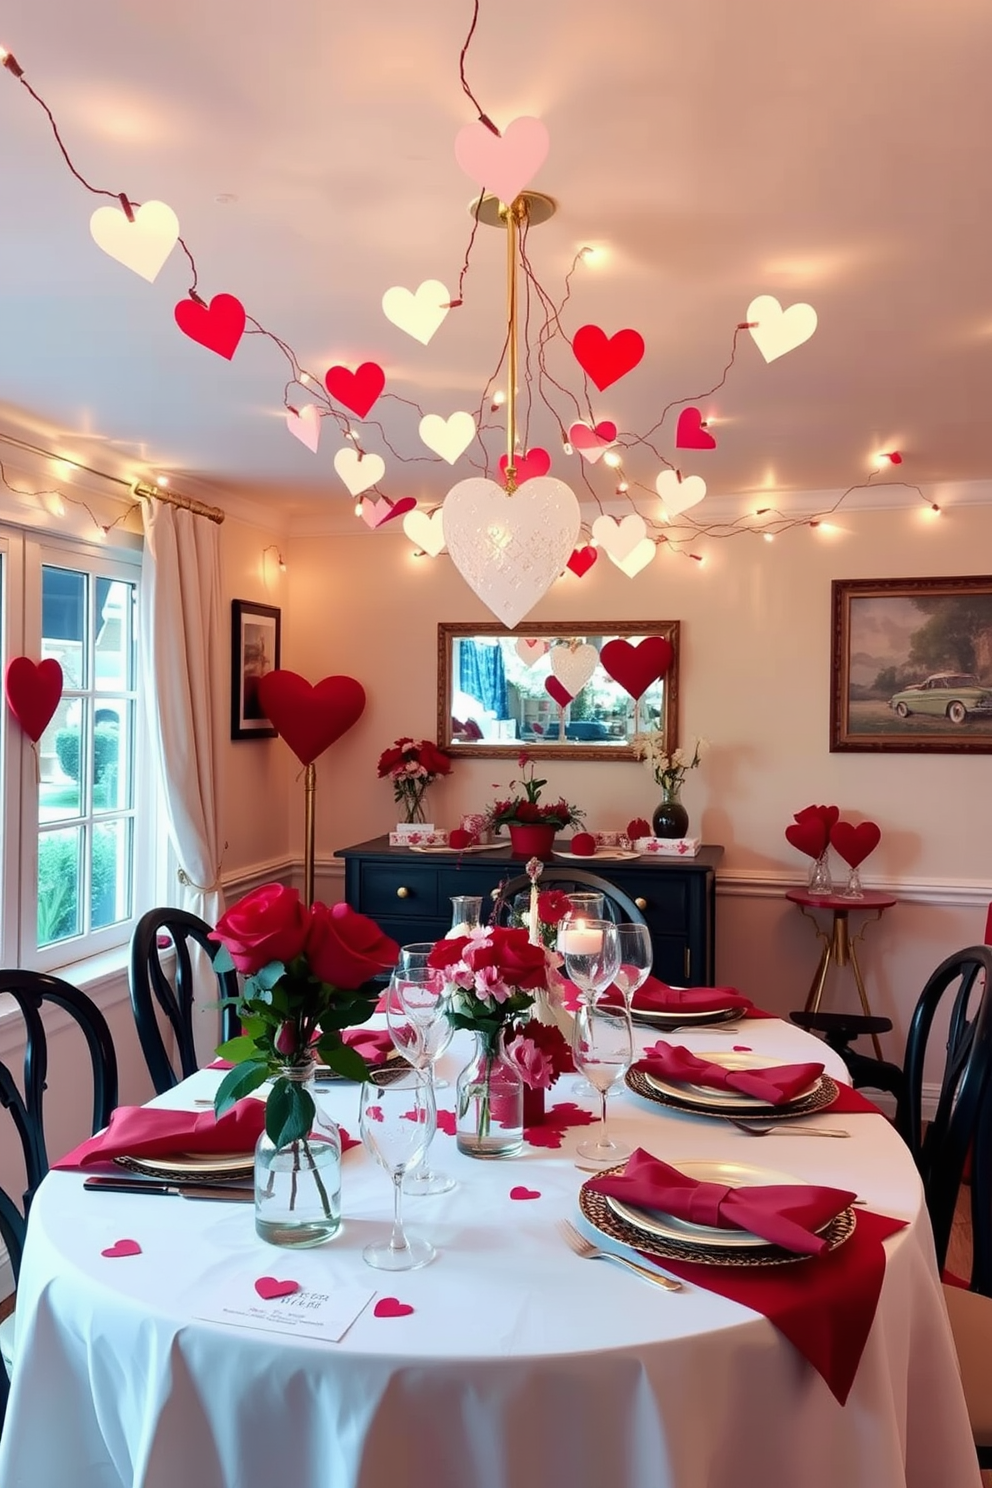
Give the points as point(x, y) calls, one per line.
point(346, 948)
point(534, 1066)
point(269, 924)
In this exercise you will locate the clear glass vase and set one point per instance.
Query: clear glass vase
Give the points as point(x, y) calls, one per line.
point(298, 1186)
point(820, 881)
point(489, 1103)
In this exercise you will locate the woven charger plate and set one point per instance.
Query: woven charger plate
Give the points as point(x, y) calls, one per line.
point(192, 1167)
point(818, 1100)
point(595, 1208)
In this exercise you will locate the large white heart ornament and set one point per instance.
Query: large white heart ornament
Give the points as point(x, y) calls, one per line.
point(503, 164)
point(304, 425)
point(419, 312)
point(358, 472)
point(510, 549)
point(625, 543)
point(573, 666)
point(777, 330)
point(679, 495)
point(426, 532)
point(142, 245)
point(449, 437)
point(530, 651)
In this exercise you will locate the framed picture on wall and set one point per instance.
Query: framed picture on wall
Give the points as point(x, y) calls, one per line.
point(912, 665)
point(255, 649)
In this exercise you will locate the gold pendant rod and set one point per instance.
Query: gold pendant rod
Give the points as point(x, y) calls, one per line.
point(516, 212)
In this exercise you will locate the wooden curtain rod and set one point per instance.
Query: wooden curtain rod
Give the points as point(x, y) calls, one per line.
point(198, 508)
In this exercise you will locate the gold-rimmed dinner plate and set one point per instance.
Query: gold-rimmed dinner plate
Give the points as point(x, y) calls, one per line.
point(706, 1095)
point(823, 1096)
point(214, 1167)
point(670, 1227)
point(662, 1019)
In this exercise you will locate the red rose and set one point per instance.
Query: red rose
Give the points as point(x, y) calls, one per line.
point(433, 759)
point(347, 948)
point(389, 759)
point(520, 964)
point(447, 952)
point(269, 924)
point(552, 906)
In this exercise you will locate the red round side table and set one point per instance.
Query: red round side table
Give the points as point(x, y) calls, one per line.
point(838, 943)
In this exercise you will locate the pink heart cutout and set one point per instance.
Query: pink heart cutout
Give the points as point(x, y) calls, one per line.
point(378, 513)
point(357, 390)
point(591, 443)
point(524, 1193)
point(310, 718)
point(810, 837)
point(391, 1307)
point(33, 692)
point(122, 1248)
point(689, 432)
point(503, 164)
point(636, 667)
point(560, 694)
point(854, 843)
point(583, 559)
point(268, 1287)
point(607, 358)
point(218, 326)
point(535, 462)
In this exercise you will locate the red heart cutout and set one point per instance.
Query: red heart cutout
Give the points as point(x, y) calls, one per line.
point(854, 843)
point(524, 1193)
point(810, 837)
point(391, 1307)
point(583, 559)
point(357, 390)
point(310, 718)
point(268, 1287)
point(122, 1248)
point(33, 692)
point(607, 358)
point(535, 462)
point(636, 667)
point(560, 694)
point(581, 437)
point(689, 431)
point(827, 814)
point(218, 326)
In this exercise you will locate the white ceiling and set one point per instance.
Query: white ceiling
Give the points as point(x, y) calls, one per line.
point(830, 152)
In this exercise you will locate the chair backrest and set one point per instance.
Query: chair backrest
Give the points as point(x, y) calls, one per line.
point(964, 1105)
point(162, 972)
point(30, 990)
point(617, 905)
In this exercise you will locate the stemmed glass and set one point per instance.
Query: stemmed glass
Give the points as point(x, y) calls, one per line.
point(636, 957)
point(397, 1123)
point(416, 1012)
point(591, 949)
point(602, 1049)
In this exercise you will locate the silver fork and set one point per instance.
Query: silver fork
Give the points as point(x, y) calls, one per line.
point(589, 1252)
point(779, 1129)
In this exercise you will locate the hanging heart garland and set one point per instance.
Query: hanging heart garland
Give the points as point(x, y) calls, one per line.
point(218, 326)
point(310, 717)
point(503, 164)
point(425, 530)
point(357, 390)
point(635, 668)
point(558, 691)
point(358, 472)
point(689, 431)
point(776, 331)
point(625, 543)
point(574, 665)
point(605, 359)
point(678, 495)
point(534, 463)
point(448, 437)
point(592, 443)
point(418, 312)
point(378, 513)
point(529, 650)
point(142, 245)
point(33, 691)
point(582, 560)
point(304, 425)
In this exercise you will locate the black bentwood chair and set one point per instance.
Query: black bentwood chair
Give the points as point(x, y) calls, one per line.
point(161, 972)
point(31, 990)
point(617, 906)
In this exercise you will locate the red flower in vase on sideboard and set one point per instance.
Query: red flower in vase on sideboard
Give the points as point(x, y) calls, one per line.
point(525, 809)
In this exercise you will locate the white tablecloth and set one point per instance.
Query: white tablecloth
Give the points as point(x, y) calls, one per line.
point(520, 1367)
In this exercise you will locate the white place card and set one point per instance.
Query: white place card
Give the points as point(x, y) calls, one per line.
point(325, 1313)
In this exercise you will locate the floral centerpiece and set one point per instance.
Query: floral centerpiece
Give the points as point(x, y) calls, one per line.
point(412, 765)
point(524, 809)
point(670, 818)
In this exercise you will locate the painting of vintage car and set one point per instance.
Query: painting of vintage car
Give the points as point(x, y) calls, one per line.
point(952, 695)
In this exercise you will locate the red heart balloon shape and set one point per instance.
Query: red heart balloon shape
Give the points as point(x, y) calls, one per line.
point(636, 667)
point(827, 814)
point(268, 1287)
point(310, 718)
point(535, 462)
point(607, 358)
point(854, 843)
point(391, 1307)
point(560, 694)
point(582, 560)
point(357, 390)
point(121, 1248)
point(218, 326)
point(33, 692)
point(689, 431)
point(810, 837)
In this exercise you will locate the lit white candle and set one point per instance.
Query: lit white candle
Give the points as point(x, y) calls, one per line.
point(581, 940)
point(533, 922)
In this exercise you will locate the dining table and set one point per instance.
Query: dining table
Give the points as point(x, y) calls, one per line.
point(508, 1362)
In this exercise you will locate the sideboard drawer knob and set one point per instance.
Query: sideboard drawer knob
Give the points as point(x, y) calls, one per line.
point(402, 893)
point(641, 903)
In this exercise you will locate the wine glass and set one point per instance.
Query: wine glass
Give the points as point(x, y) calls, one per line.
point(591, 949)
point(602, 1049)
point(414, 954)
point(397, 1122)
point(636, 957)
point(425, 1004)
point(586, 904)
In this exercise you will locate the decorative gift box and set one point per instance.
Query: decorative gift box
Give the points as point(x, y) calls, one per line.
point(414, 836)
point(668, 847)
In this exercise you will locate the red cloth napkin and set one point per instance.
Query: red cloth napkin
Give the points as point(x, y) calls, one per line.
point(149, 1131)
point(659, 997)
point(851, 1102)
point(773, 1085)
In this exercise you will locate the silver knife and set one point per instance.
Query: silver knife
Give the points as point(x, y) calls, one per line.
point(222, 1193)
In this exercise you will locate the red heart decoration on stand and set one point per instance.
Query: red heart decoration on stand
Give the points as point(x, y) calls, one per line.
point(267, 1287)
point(582, 560)
point(607, 358)
point(357, 390)
point(827, 814)
point(33, 692)
point(218, 326)
point(535, 462)
point(810, 836)
point(391, 1307)
point(560, 694)
point(689, 431)
point(636, 667)
point(854, 843)
point(310, 718)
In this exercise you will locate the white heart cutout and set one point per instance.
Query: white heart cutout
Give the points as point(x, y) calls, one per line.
point(639, 557)
point(304, 425)
point(142, 245)
point(419, 312)
point(574, 665)
point(679, 495)
point(511, 549)
point(619, 538)
point(358, 472)
point(425, 531)
point(530, 651)
point(448, 437)
point(778, 331)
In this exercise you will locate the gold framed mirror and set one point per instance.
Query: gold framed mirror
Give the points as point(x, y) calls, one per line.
point(493, 696)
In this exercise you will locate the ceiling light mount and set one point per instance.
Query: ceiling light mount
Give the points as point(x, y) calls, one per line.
point(532, 207)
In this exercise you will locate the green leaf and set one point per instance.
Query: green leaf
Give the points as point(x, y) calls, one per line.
point(344, 1060)
point(253, 1025)
point(238, 1082)
point(267, 976)
point(289, 1112)
point(222, 960)
point(238, 1049)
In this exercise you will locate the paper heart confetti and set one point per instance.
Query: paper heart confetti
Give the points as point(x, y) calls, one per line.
point(33, 691)
point(561, 694)
point(636, 667)
point(503, 164)
point(592, 443)
point(535, 462)
point(582, 560)
point(854, 843)
point(809, 837)
point(679, 494)
point(378, 513)
point(530, 651)
point(510, 549)
point(689, 431)
point(777, 331)
point(357, 390)
point(520, 1192)
point(268, 1287)
point(391, 1307)
point(218, 326)
point(605, 359)
point(425, 530)
point(418, 312)
point(358, 471)
point(121, 1248)
point(304, 425)
point(142, 245)
point(573, 666)
point(448, 437)
point(310, 718)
